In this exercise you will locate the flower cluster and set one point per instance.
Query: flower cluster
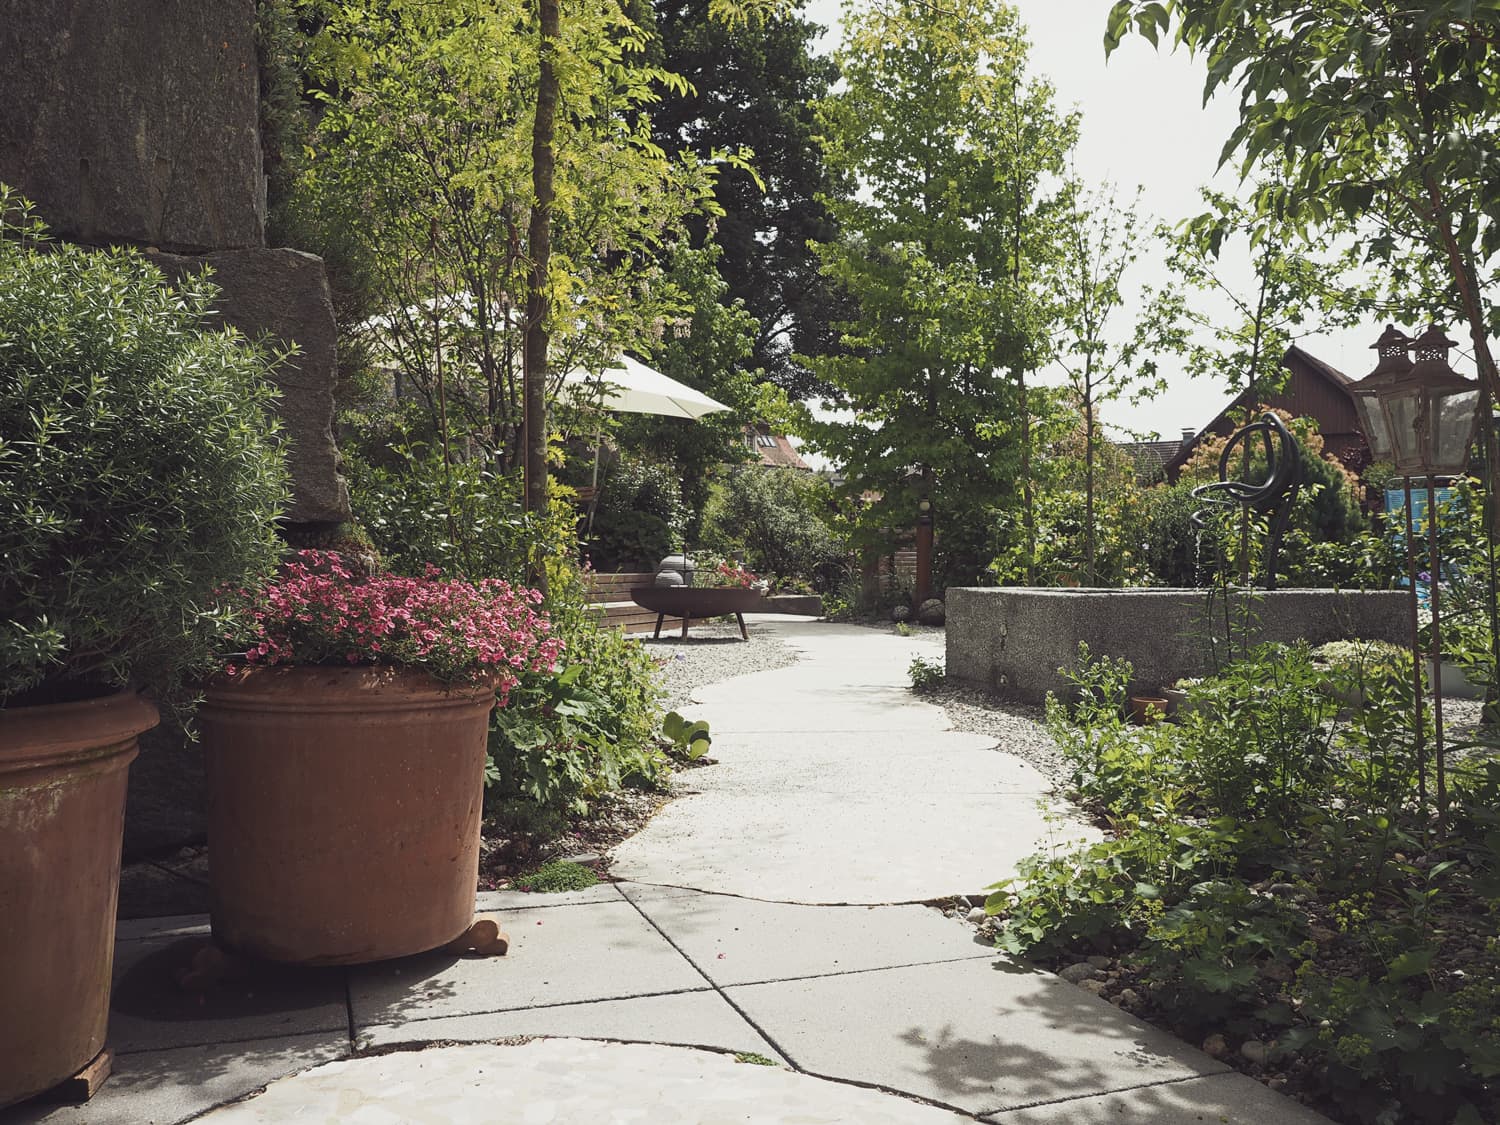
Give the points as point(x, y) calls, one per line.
point(728, 574)
point(317, 611)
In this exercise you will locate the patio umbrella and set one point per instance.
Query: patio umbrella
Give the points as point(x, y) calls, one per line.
point(631, 387)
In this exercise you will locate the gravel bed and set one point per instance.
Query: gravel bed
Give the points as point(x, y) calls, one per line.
point(1017, 728)
point(714, 652)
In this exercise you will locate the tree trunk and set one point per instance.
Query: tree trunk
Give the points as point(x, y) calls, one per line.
point(1028, 488)
point(1088, 481)
point(539, 235)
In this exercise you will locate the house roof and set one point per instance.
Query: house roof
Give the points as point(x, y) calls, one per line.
point(1315, 390)
point(1150, 457)
point(775, 451)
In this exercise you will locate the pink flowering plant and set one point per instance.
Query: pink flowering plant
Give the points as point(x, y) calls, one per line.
point(318, 611)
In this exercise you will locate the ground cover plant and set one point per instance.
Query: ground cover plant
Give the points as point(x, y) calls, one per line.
point(1276, 886)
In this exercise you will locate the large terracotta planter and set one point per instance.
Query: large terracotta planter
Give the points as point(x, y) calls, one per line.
point(343, 812)
point(62, 810)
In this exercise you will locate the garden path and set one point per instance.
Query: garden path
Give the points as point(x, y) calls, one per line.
point(835, 784)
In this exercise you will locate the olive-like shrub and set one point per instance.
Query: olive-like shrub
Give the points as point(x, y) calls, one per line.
point(139, 470)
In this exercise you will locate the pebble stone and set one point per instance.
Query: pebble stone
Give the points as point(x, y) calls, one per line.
point(1077, 974)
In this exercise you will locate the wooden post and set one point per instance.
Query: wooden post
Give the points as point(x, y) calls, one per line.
point(924, 554)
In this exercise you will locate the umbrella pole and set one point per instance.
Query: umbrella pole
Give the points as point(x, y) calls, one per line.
point(594, 483)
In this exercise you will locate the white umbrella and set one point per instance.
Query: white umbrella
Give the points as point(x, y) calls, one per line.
point(631, 387)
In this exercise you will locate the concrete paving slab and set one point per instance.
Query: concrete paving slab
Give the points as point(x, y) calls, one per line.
point(738, 745)
point(151, 1011)
point(807, 848)
point(737, 940)
point(1222, 1099)
point(684, 1019)
point(942, 768)
point(530, 900)
point(558, 955)
point(565, 1081)
point(164, 1087)
point(980, 1036)
point(805, 715)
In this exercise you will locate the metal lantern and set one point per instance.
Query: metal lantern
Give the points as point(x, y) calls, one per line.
point(1431, 412)
point(1393, 363)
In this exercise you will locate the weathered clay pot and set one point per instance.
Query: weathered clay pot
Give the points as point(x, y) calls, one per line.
point(343, 812)
point(62, 809)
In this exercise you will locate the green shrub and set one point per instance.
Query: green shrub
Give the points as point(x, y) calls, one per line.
point(926, 675)
point(574, 735)
point(138, 469)
point(639, 519)
point(779, 520)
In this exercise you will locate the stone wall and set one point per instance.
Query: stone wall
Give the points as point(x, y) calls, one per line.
point(1014, 640)
point(135, 122)
point(139, 124)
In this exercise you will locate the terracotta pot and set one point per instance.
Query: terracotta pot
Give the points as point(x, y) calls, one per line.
point(1146, 709)
point(63, 769)
point(343, 812)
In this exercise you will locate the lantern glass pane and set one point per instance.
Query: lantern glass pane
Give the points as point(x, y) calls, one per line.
point(1403, 416)
point(1372, 422)
point(1453, 417)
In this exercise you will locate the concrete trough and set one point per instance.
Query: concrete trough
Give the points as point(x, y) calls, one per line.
point(1013, 640)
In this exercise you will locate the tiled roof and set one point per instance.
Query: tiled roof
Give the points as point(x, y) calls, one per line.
point(1150, 457)
point(774, 450)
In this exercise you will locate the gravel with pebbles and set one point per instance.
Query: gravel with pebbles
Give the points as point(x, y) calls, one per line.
point(715, 652)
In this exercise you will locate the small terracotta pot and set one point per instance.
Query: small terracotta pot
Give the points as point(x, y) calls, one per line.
point(344, 810)
point(1147, 709)
point(63, 770)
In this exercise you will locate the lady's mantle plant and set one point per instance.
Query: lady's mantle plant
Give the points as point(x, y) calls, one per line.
point(138, 470)
point(318, 611)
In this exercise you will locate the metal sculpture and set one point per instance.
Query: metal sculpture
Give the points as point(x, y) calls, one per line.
point(1273, 497)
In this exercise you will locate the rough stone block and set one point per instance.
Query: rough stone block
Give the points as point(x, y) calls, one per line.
point(284, 294)
point(135, 122)
point(1014, 640)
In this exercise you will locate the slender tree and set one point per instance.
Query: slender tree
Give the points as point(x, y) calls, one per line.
point(925, 256)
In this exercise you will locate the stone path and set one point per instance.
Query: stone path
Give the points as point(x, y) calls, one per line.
point(836, 785)
point(870, 1013)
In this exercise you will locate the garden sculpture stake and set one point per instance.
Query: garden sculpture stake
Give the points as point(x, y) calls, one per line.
point(1273, 497)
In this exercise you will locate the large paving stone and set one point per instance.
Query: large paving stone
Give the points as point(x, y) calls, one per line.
point(558, 955)
point(284, 294)
point(738, 941)
point(135, 122)
point(1221, 1099)
point(944, 768)
point(564, 1080)
point(165, 1087)
point(879, 713)
point(150, 1011)
point(683, 1019)
point(732, 746)
point(899, 846)
point(980, 1036)
point(528, 900)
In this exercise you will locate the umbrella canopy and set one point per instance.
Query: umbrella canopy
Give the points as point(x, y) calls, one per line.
point(633, 388)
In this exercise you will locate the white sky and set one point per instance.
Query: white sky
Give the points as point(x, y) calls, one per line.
point(1143, 124)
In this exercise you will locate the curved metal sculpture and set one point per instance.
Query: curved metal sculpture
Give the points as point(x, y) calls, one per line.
point(1273, 496)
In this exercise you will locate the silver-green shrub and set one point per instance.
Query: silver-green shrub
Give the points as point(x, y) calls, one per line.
point(138, 469)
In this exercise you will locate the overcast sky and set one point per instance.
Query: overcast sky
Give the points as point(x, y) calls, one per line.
point(1143, 124)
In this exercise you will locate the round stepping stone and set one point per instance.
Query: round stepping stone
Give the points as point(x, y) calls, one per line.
point(565, 1081)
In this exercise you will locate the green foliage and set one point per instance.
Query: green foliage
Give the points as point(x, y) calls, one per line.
point(555, 877)
point(926, 675)
point(138, 469)
point(575, 735)
point(1170, 544)
point(689, 740)
point(755, 87)
point(1360, 112)
point(1270, 874)
point(754, 1059)
point(639, 519)
point(935, 110)
point(780, 521)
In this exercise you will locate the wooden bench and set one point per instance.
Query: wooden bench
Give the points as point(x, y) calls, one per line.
point(610, 594)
